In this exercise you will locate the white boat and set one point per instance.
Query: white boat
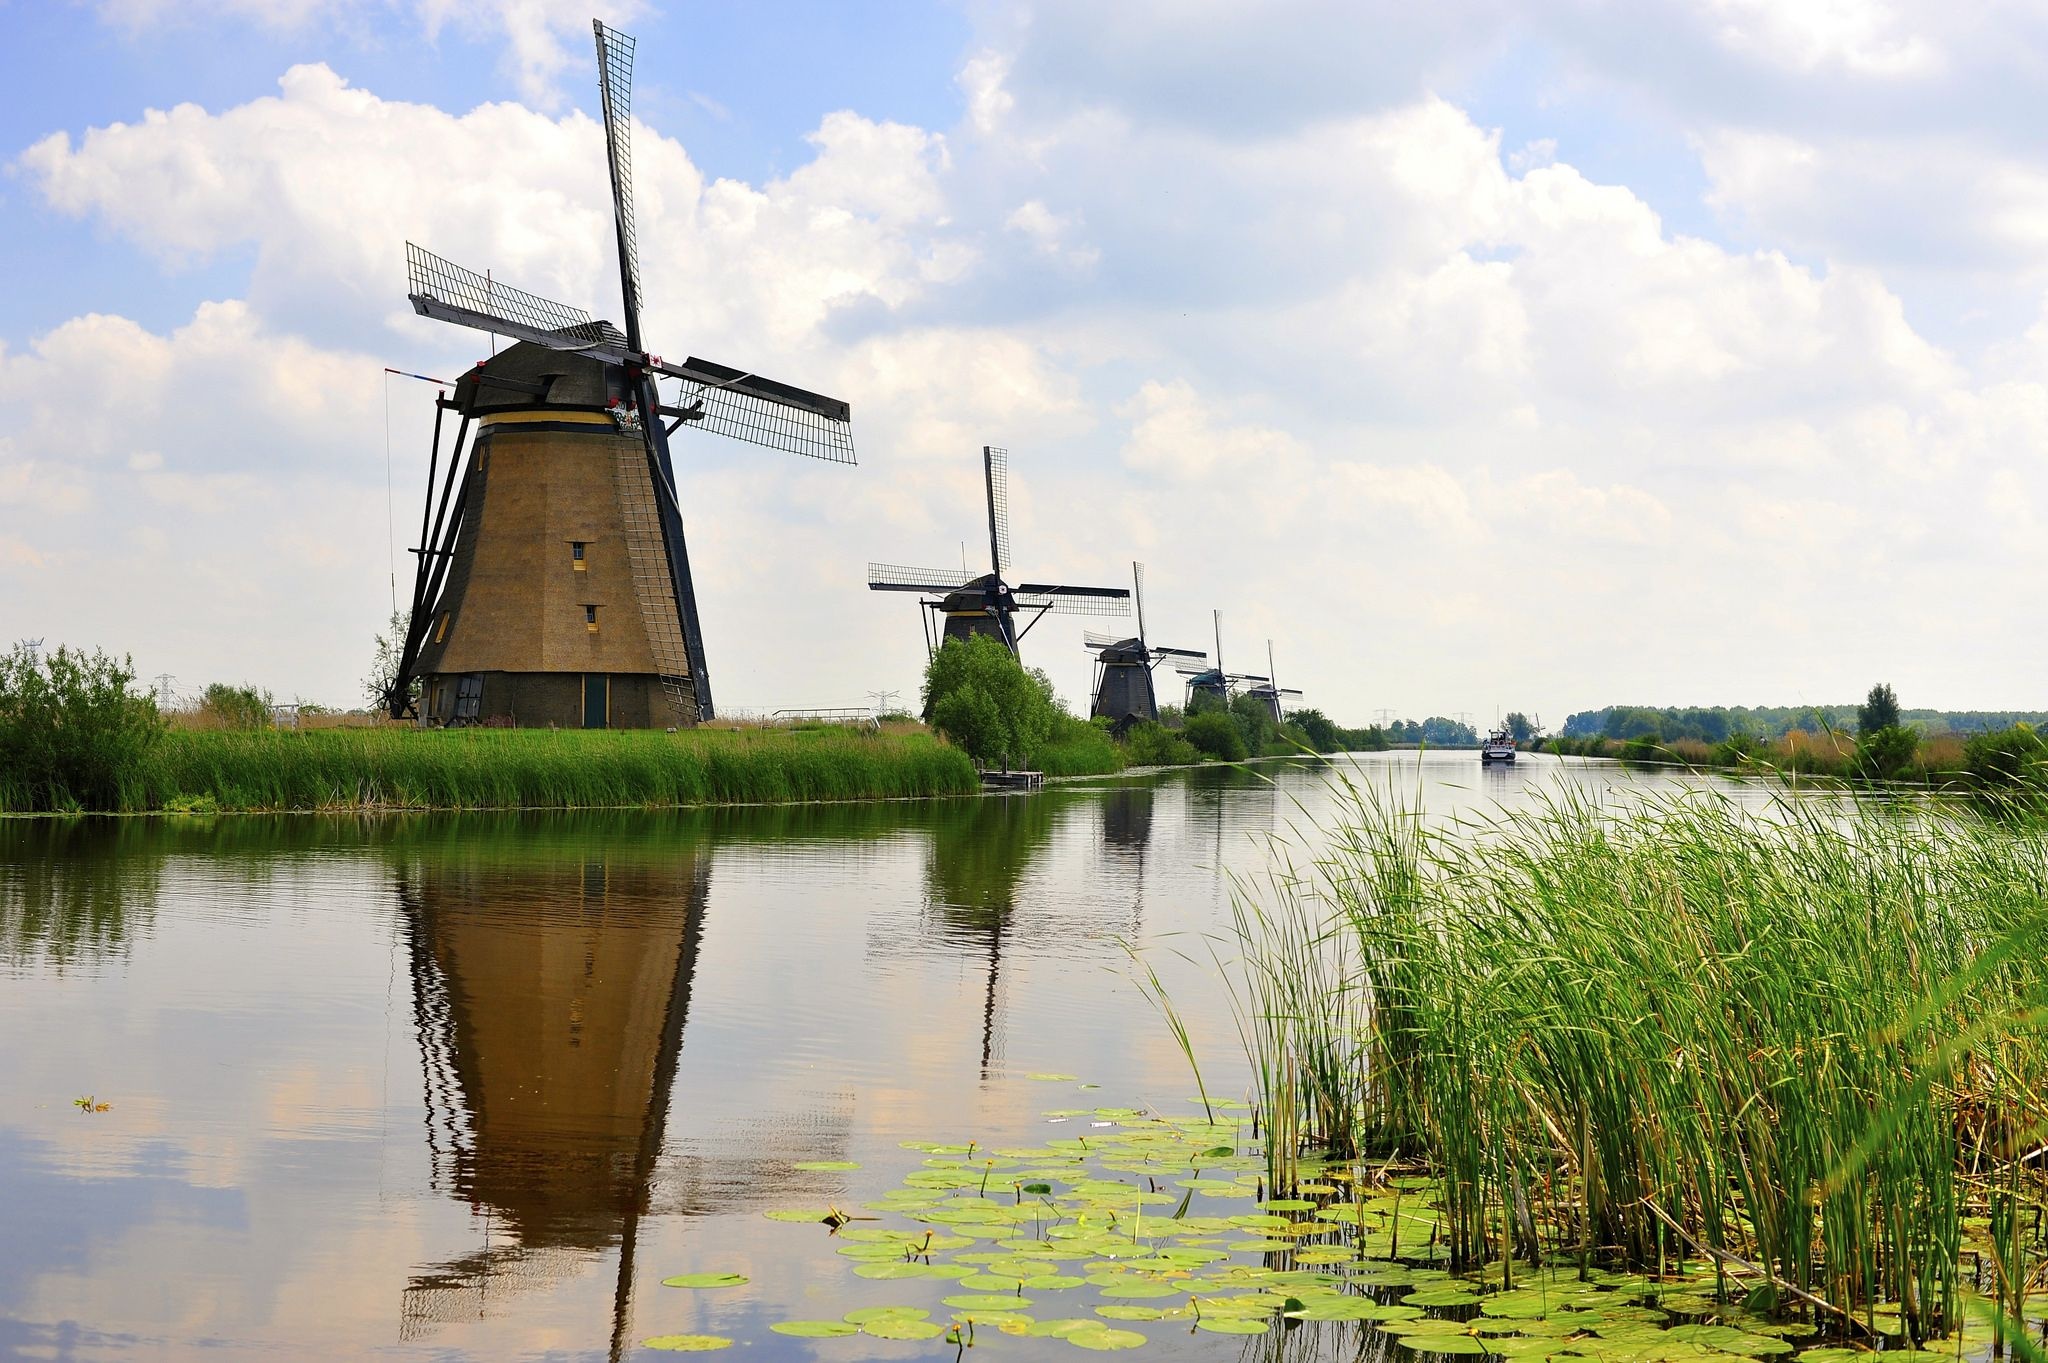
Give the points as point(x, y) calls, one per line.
point(1498, 747)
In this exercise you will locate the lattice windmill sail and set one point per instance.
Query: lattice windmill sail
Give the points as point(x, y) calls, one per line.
point(1123, 690)
point(1212, 687)
point(1269, 691)
point(553, 584)
point(961, 603)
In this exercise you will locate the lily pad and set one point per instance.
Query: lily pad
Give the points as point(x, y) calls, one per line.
point(972, 1302)
point(705, 1280)
point(814, 1329)
point(1106, 1339)
point(1231, 1325)
point(687, 1344)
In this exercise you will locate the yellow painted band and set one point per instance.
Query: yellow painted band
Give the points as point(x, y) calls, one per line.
point(573, 418)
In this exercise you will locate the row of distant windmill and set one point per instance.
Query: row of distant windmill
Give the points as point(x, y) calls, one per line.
point(553, 583)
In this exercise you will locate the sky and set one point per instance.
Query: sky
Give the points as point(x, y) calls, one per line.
point(1480, 356)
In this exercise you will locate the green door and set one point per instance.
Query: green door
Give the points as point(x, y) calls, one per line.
point(597, 700)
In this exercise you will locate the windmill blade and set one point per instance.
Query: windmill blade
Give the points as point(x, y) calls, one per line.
point(745, 406)
point(889, 577)
point(1093, 639)
point(1192, 669)
point(615, 84)
point(441, 289)
point(995, 463)
point(1041, 596)
point(1161, 651)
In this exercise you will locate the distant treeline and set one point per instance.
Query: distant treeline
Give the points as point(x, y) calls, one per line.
point(1768, 723)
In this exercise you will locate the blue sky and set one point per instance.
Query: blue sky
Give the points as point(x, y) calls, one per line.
point(1360, 323)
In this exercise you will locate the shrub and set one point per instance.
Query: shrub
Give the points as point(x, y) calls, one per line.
point(1078, 747)
point(2008, 759)
point(1879, 711)
point(1152, 745)
point(1213, 732)
point(236, 707)
point(73, 734)
point(991, 708)
point(1883, 753)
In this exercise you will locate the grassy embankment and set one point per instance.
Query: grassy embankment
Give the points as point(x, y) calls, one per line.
point(1802, 1049)
point(404, 768)
point(2005, 762)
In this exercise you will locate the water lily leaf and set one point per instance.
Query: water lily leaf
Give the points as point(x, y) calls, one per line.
point(808, 1215)
point(814, 1329)
point(687, 1344)
point(1117, 1311)
point(826, 1165)
point(1231, 1325)
point(1060, 1329)
point(864, 1314)
point(1140, 1290)
point(1445, 1344)
point(1052, 1282)
point(1105, 1339)
point(705, 1280)
point(901, 1327)
point(897, 1269)
point(1441, 1296)
point(972, 1302)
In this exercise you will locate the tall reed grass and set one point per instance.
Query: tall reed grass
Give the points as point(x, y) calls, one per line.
point(339, 769)
point(1805, 1043)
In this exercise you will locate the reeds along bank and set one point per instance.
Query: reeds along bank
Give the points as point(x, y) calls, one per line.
point(1804, 1043)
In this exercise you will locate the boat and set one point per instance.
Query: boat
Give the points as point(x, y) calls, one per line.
point(1498, 747)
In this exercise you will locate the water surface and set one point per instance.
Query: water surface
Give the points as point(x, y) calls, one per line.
point(459, 1087)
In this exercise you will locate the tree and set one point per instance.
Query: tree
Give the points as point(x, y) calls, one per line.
point(1254, 719)
point(1880, 710)
point(1323, 734)
point(1519, 727)
point(384, 660)
point(978, 697)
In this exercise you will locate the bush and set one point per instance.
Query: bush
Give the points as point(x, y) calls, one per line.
point(2009, 759)
point(1883, 753)
point(1213, 732)
point(990, 707)
point(1079, 747)
point(1152, 745)
point(236, 707)
point(73, 735)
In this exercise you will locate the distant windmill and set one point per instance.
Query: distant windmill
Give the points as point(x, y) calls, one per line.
point(1123, 667)
point(966, 605)
point(1269, 690)
point(1211, 687)
point(553, 584)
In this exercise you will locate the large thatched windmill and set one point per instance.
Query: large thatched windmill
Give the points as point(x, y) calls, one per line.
point(553, 584)
point(1123, 690)
point(962, 604)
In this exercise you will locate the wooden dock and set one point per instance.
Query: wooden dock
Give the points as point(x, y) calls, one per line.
point(1013, 780)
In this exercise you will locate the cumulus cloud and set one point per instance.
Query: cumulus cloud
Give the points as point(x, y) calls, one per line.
point(1336, 362)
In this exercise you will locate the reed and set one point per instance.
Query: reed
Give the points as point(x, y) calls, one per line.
point(394, 768)
point(1805, 1044)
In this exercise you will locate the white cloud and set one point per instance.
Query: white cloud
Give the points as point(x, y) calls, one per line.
point(1338, 364)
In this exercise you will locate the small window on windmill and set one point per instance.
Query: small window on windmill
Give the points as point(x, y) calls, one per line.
point(441, 630)
point(590, 618)
point(576, 554)
point(469, 697)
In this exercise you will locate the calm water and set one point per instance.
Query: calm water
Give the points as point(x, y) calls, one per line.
point(469, 1087)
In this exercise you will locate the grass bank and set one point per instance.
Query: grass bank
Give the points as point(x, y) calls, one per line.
point(403, 768)
point(1803, 1049)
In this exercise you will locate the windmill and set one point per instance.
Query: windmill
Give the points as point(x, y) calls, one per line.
point(1269, 689)
point(1123, 667)
point(965, 604)
point(1211, 687)
point(553, 583)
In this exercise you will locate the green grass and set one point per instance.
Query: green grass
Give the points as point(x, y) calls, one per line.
point(1809, 1040)
point(389, 768)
